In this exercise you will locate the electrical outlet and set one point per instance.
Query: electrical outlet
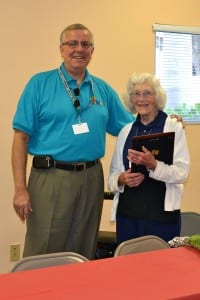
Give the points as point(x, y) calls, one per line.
point(15, 252)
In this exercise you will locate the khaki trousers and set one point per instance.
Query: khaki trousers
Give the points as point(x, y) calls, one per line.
point(67, 208)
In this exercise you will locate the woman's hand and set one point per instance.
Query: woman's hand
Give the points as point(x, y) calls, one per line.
point(145, 158)
point(130, 179)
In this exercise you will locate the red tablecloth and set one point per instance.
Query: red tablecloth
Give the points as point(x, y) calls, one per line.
point(156, 275)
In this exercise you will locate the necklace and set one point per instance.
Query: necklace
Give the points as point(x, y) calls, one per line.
point(142, 130)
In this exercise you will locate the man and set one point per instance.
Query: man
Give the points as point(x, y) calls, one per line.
point(61, 119)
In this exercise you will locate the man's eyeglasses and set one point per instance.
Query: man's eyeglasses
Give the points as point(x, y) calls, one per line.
point(145, 94)
point(74, 44)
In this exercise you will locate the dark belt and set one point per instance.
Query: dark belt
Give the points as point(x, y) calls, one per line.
point(47, 162)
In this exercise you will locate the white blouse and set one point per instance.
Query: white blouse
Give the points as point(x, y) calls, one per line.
point(173, 175)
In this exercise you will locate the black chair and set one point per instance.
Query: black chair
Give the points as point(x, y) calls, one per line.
point(106, 243)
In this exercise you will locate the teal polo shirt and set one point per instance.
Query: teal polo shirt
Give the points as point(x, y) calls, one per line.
point(46, 113)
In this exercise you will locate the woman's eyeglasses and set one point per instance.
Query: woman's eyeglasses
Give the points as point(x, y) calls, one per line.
point(145, 94)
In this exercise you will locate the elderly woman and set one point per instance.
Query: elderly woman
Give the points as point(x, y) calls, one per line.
point(149, 203)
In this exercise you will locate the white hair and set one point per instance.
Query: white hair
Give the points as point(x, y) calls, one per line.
point(142, 79)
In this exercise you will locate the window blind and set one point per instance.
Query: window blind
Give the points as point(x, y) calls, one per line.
point(177, 64)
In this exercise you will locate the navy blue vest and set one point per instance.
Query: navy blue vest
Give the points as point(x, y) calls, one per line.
point(147, 200)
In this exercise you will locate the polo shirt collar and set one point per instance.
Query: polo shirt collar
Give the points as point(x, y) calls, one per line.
point(69, 79)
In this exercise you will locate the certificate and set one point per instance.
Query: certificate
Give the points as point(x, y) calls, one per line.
point(161, 146)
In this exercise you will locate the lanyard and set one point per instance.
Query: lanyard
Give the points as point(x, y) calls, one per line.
point(72, 97)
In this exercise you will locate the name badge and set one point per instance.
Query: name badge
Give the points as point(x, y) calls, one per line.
point(80, 128)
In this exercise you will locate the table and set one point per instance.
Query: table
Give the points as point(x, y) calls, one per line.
point(172, 273)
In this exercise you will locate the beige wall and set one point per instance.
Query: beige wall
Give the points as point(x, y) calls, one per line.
point(124, 43)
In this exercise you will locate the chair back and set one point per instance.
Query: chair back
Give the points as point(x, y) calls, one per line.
point(190, 223)
point(48, 260)
point(141, 244)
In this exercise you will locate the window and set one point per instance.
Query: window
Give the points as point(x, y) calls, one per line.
point(177, 64)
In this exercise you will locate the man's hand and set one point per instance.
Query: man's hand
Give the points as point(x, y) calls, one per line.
point(21, 203)
point(178, 118)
